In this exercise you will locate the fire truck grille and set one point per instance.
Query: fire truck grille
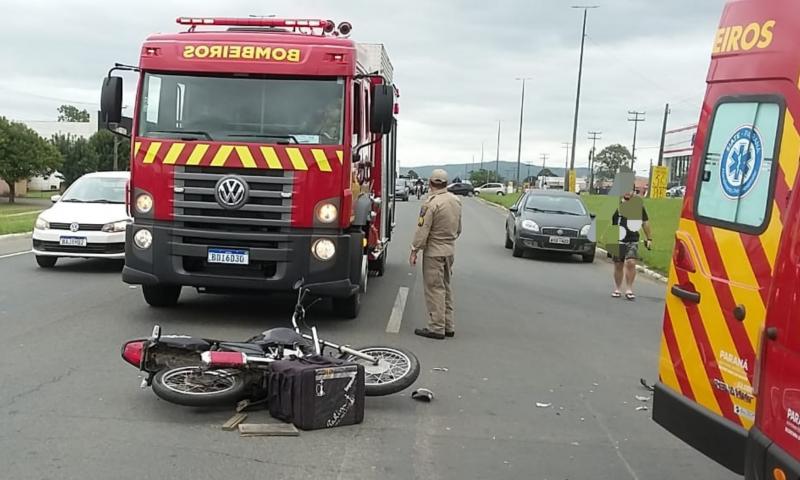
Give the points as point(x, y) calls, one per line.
point(267, 210)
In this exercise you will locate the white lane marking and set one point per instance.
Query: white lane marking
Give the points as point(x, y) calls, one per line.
point(15, 254)
point(397, 311)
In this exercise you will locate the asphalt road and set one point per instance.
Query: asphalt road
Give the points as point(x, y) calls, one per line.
point(527, 330)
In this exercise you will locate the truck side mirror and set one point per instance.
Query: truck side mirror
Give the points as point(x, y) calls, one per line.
point(382, 109)
point(111, 100)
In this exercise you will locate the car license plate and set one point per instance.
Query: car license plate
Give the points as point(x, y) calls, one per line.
point(560, 240)
point(224, 255)
point(72, 241)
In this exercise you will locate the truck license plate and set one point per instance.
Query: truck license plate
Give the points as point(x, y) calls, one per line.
point(72, 241)
point(229, 256)
point(560, 240)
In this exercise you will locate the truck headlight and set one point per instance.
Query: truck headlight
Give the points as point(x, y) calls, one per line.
point(41, 224)
point(585, 230)
point(143, 239)
point(144, 203)
point(327, 213)
point(323, 249)
point(530, 225)
point(115, 226)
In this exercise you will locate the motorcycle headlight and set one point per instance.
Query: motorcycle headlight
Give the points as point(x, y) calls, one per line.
point(41, 224)
point(115, 226)
point(323, 249)
point(585, 230)
point(530, 225)
point(144, 203)
point(143, 239)
point(327, 213)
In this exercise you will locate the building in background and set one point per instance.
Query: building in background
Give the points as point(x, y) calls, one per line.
point(678, 147)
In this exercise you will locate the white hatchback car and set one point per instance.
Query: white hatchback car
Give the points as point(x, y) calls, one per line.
point(88, 221)
point(492, 189)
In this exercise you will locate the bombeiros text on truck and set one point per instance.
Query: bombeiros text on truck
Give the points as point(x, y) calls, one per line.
point(263, 152)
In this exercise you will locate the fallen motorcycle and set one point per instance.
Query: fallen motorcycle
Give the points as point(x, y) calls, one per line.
point(202, 372)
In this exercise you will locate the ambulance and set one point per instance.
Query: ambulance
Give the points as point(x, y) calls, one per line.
point(729, 369)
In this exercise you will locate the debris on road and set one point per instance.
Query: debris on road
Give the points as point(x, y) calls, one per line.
point(575, 444)
point(422, 394)
point(132, 287)
point(268, 429)
point(641, 408)
point(234, 422)
point(543, 405)
point(484, 379)
point(440, 369)
point(642, 398)
point(646, 385)
point(596, 384)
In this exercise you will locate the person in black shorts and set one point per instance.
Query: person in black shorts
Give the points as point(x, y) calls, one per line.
point(629, 220)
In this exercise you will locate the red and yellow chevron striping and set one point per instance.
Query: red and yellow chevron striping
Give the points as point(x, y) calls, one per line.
point(301, 158)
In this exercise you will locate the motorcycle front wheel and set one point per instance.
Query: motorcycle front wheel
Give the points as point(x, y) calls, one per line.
point(396, 370)
point(198, 387)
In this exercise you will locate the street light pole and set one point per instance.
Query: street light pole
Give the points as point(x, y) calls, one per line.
point(566, 146)
point(521, 111)
point(580, 76)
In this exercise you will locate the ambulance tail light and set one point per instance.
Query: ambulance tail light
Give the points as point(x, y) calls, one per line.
point(682, 258)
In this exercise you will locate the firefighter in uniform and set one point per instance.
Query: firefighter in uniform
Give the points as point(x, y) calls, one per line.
point(438, 228)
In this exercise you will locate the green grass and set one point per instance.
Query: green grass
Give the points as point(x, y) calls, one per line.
point(663, 214)
point(504, 200)
point(17, 223)
point(12, 208)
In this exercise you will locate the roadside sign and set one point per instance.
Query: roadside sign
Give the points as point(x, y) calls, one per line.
point(658, 186)
point(572, 180)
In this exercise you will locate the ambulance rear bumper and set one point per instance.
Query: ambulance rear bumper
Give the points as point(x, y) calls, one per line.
point(710, 434)
point(763, 457)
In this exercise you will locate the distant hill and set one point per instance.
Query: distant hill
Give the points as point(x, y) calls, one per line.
point(507, 170)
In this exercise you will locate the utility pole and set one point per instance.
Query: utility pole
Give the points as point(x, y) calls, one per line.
point(566, 146)
point(481, 169)
point(580, 75)
point(594, 137)
point(497, 162)
point(636, 119)
point(521, 111)
point(663, 136)
point(544, 158)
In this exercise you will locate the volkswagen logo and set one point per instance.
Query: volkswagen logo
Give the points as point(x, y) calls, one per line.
point(560, 232)
point(231, 192)
point(74, 227)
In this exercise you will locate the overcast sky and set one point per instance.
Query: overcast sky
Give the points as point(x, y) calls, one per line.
point(455, 64)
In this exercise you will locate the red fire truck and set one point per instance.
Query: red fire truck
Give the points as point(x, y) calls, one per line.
point(263, 152)
point(729, 375)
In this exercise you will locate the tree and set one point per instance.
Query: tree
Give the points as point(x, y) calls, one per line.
point(480, 177)
point(610, 159)
point(413, 174)
point(24, 154)
point(103, 143)
point(70, 113)
point(79, 157)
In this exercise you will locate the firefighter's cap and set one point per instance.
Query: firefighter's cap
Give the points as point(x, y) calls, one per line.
point(438, 176)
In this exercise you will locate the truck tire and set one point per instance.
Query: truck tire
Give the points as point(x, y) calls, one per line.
point(161, 295)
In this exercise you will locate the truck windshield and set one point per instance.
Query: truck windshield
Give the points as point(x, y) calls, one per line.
point(242, 108)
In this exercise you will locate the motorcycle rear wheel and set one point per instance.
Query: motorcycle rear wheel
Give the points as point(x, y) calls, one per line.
point(197, 387)
point(397, 369)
